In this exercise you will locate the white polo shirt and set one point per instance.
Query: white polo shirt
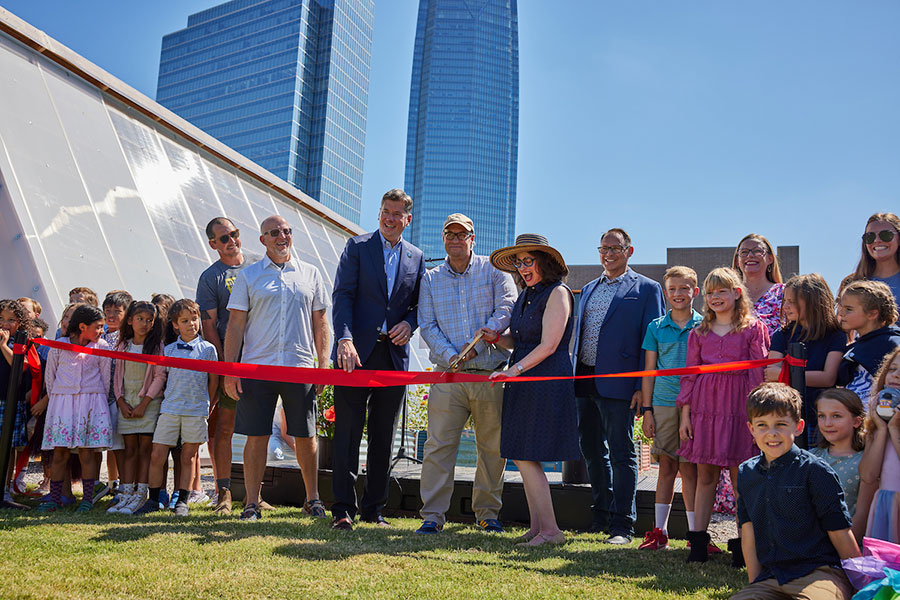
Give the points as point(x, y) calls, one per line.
point(279, 304)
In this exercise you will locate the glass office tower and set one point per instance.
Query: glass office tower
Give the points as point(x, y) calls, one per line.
point(283, 82)
point(462, 137)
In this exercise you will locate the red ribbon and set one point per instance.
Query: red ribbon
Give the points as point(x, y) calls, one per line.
point(366, 378)
point(18, 348)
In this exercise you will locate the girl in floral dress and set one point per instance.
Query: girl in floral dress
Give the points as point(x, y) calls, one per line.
point(78, 414)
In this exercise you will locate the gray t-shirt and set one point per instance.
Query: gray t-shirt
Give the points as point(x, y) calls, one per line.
point(214, 290)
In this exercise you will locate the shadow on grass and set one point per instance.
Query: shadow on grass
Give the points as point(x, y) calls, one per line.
point(585, 556)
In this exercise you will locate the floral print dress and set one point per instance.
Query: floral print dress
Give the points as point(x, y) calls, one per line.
point(78, 414)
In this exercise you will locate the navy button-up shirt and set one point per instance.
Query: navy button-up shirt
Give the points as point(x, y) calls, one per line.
point(792, 502)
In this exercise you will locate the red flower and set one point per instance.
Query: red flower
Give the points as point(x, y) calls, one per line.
point(329, 414)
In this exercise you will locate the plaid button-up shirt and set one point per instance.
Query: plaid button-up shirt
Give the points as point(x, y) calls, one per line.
point(454, 306)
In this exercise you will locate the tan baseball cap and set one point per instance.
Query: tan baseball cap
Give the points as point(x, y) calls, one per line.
point(460, 219)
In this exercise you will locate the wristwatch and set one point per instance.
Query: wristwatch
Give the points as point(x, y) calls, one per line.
point(519, 368)
point(646, 409)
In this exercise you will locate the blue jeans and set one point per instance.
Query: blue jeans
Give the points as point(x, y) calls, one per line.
point(605, 428)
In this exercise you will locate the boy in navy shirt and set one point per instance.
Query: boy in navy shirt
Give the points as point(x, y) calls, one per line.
point(794, 522)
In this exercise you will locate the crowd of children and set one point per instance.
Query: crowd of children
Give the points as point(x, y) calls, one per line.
point(135, 411)
point(799, 511)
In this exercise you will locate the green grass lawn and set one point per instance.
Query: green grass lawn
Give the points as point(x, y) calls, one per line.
point(286, 555)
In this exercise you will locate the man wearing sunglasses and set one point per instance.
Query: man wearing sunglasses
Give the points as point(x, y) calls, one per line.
point(376, 295)
point(277, 310)
point(611, 320)
point(458, 298)
point(213, 293)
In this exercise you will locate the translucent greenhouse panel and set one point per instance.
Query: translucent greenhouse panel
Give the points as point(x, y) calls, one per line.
point(235, 205)
point(140, 258)
point(323, 245)
point(259, 199)
point(160, 188)
point(195, 187)
point(338, 240)
point(44, 184)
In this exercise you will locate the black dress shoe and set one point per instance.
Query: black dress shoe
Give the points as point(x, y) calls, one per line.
point(597, 528)
point(342, 524)
point(377, 519)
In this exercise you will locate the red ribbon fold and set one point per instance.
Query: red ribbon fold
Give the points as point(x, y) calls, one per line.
point(366, 378)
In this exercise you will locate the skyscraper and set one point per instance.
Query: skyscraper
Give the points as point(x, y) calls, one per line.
point(462, 137)
point(283, 82)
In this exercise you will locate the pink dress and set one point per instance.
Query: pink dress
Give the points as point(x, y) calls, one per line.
point(78, 414)
point(719, 400)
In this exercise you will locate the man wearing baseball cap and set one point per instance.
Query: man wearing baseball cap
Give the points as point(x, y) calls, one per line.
point(456, 300)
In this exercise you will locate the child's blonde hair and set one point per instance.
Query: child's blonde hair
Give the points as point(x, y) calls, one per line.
point(681, 272)
point(726, 278)
point(854, 405)
point(874, 295)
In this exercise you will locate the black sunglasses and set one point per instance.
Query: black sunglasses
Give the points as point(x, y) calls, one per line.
point(231, 235)
point(884, 235)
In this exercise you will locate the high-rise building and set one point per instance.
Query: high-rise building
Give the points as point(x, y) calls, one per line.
point(283, 82)
point(462, 137)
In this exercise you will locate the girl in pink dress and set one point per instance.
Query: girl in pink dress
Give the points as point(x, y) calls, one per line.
point(78, 414)
point(713, 406)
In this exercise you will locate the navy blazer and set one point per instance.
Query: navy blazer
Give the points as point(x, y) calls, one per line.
point(360, 300)
point(638, 301)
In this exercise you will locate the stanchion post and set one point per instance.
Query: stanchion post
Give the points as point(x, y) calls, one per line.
point(9, 408)
point(798, 382)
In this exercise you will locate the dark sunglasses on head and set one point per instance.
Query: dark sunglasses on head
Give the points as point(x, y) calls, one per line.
point(884, 235)
point(231, 235)
point(287, 231)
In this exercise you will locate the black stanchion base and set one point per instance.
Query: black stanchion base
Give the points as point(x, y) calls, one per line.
point(9, 505)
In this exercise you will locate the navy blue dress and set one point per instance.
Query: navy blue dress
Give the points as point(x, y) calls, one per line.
point(539, 418)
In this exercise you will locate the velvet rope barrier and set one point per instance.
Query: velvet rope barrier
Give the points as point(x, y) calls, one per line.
point(364, 378)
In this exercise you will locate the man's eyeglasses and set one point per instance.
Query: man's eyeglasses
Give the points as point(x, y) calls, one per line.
point(886, 235)
point(457, 235)
point(525, 262)
point(231, 235)
point(611, 250)
point(287, 231)
point(757, 252)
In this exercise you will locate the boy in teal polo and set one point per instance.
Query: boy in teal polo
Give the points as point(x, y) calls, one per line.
point(665, 345)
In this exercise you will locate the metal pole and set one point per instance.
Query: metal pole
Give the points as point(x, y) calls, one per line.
point(9, 413)
point(798, 382)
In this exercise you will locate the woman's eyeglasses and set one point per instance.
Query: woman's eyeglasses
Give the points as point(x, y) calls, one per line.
point(525, 262)
point(885, 235)
point(757, 252)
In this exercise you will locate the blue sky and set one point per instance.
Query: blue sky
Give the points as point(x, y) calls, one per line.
point(686, 123)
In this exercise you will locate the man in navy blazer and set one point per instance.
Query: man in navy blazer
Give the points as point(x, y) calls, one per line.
point(611, 319)
point(376, 291)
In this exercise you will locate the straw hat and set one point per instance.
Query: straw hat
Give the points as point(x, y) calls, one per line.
point(526, 242)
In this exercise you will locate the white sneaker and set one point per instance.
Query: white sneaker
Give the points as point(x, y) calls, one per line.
point(197, 496)
point(133, 503)
point(122, 501)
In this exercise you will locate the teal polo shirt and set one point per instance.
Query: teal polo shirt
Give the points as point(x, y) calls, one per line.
point(669, 341)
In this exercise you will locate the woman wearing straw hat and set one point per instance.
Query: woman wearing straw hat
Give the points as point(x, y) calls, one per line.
point(539, 422)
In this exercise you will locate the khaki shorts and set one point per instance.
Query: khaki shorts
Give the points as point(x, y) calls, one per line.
point(192, 430)
point(825, 583)
point(667, 441)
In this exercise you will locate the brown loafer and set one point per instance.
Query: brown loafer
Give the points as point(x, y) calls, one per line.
point(342, 524)
point(263, 505)
point(223, 504)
